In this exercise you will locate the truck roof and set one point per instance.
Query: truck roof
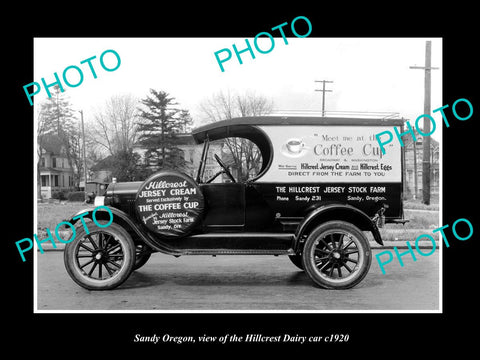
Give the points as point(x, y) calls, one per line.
point(222, 126)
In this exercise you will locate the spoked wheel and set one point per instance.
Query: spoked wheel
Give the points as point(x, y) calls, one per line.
point(337, 255)
point(102, 259)
point(142, 254)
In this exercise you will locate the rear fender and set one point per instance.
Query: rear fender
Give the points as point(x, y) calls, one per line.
point(342, 212)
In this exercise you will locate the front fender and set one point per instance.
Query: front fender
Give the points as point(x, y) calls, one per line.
point(342, 212)
point(126, 221)
point(72, 219)
point(103, 213)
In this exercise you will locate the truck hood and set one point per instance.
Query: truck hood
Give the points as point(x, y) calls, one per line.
point(123, 188)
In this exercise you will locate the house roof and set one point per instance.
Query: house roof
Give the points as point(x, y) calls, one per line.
point(407, 139)
point(107, 163)
point(184, 139)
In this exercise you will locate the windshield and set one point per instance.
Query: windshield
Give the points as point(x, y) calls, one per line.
point(241, 157)
point(245, 150)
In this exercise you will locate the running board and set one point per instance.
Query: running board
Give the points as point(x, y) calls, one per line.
point(236, 252)
point(233, 244)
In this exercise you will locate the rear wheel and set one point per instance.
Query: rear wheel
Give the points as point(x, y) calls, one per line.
point(336, 255)
point(102, 259)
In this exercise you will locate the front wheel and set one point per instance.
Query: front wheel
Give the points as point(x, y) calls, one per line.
point(102, 259)
point(336, 255)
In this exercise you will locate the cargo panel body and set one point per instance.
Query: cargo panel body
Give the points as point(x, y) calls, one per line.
point(308, 164)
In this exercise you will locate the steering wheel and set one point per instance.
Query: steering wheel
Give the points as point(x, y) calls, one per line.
point(224, 167)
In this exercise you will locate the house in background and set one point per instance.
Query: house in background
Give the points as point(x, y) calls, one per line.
point(413, 157)
point(100, 175)
point(101, 171)
point(192, 154)
point(54, 171)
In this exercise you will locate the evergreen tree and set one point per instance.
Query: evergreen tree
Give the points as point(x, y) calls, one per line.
point(160, 123)
point(185, 120)
point(125, 166)
point(56, 117)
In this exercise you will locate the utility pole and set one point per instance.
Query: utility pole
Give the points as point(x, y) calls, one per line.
point(415, 169)
point(426, 122)
point(323, 95)
point(84, 156)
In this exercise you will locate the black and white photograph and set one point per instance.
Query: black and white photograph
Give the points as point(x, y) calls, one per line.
point(193, 187)
point(273, 186)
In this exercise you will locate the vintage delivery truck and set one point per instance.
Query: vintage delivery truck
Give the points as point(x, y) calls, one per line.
point(321, 184)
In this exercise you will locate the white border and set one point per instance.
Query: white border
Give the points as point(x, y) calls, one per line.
point(35, 263)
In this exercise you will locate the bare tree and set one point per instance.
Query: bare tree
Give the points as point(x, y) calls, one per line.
point(225, 105)
point(114, 129)
point(250, 104)
point(41, 130)
point(219, 106)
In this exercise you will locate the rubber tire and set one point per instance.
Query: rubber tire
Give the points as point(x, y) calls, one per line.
point(142, 257)
point(128, 249)
point(297, 260)
point(362, 245)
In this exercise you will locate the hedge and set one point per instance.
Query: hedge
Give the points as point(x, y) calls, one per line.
point(60, 195)
point(76, 196)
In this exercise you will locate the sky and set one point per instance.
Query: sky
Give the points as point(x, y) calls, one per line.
point(368, 74)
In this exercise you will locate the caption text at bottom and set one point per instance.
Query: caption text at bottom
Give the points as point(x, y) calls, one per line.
point(234, 338)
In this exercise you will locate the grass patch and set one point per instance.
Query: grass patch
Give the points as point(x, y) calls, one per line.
point(410, 235)
point(417, 204)
point(49, 215)
point(406, 234)
point(418, 220)
point(420, 223)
